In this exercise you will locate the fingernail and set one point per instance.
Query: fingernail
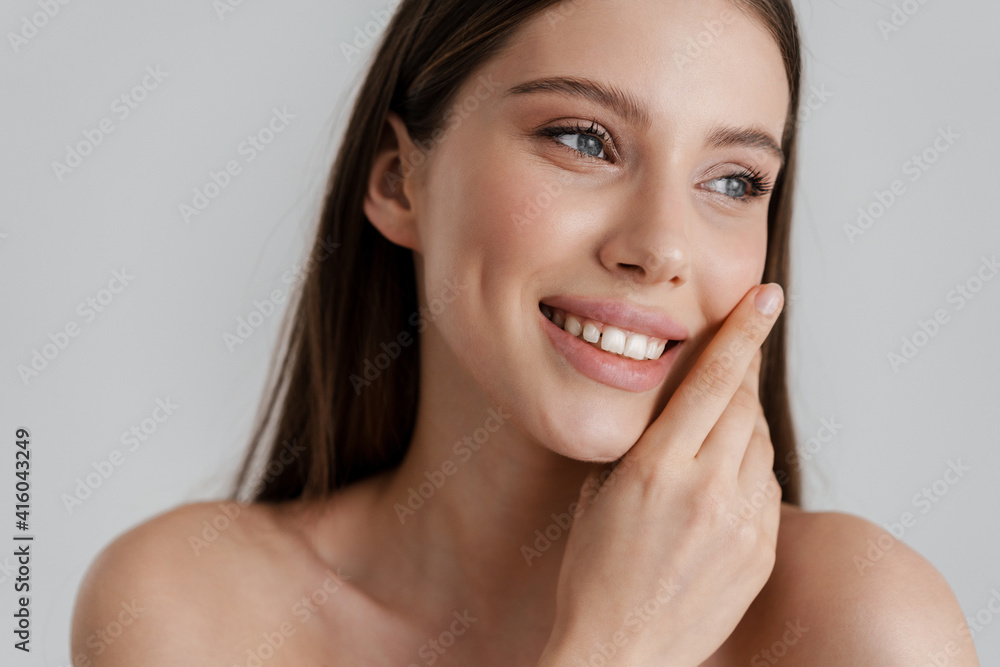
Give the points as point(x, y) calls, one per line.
point(767, 299)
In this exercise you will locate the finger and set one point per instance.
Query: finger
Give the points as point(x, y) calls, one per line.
point(770, 514)
point(757, 481)
point(705, 392)
point(758, 461)
point(591, 486)
point(726, 444)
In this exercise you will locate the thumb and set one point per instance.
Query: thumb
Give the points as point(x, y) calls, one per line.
point(591, 485)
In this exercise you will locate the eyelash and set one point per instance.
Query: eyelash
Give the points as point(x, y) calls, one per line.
point(758, 184)
point(594, 130)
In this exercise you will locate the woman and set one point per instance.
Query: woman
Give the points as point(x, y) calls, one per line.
point(527, 414)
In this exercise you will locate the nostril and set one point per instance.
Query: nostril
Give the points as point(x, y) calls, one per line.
point(634, 268)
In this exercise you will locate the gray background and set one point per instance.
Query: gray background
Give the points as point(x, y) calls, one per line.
point(880, 99)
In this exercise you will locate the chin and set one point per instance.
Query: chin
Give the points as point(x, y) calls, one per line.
point(589, 455)
point(594, 440)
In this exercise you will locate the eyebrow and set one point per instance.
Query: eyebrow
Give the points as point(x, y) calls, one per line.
point(619, 101)
point(626, 106)
point(748, 137)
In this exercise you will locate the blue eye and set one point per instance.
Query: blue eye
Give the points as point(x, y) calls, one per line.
point(743, 186)
point(590, 142)
point(734, 187)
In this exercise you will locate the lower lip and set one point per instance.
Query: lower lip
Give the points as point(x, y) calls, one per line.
point(612, 370)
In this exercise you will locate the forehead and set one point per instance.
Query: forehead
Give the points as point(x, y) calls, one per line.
point(690, 65)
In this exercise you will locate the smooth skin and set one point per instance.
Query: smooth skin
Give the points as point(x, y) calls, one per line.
point(356, 580)
point(704, 469)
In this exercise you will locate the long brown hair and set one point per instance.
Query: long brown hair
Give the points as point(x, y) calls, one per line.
point(320, 432)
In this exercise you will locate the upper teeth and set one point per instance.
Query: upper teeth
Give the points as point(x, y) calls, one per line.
point(612, 339)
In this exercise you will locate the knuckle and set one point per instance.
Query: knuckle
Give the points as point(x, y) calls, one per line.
point(753, 370)
point(762, 422)
point(769, 460)
point(761, 429)
point(709, 507)
point(768, 554)
point(771, 490)
point(715, 487)
point(760, 440)
point(751, 332)
point(716, 379)
point(651, 473)
point(743, 532)
point(745, 399)
point(774, 488)
point(627, 467)
point(635, 470)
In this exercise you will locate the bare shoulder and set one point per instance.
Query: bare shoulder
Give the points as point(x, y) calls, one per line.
point(189, 582)
point(845, 591)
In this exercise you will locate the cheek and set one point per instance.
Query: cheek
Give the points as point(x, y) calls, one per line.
point(483, 227)
point(498, 212)
point(732, 265)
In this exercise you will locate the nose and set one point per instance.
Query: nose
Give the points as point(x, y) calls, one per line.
point(649, 240)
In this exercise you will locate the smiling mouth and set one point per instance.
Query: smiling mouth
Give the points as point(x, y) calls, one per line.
point(613, 340)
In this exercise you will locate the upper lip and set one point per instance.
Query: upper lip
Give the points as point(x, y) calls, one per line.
point(627, 316)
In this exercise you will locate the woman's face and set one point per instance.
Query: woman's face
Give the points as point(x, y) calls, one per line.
point(545, 194)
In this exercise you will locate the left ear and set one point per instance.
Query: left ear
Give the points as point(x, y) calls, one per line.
point(391, 187)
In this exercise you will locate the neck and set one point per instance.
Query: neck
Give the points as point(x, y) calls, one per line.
point(477, 513)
